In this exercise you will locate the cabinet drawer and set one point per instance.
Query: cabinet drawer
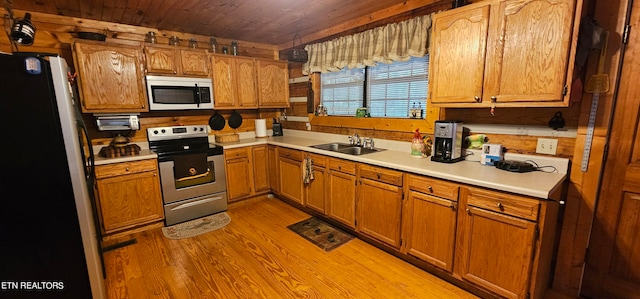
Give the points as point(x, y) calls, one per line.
point(433, 187)
point(110, 170)
point(242, 152)
point(290, 154)
point(318, 160)
point(342, 166)
point(381, 174)
point(513, 205)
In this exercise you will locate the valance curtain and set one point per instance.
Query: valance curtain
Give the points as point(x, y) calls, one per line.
point(392, 42)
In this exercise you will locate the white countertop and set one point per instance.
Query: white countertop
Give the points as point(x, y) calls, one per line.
point(396, 156)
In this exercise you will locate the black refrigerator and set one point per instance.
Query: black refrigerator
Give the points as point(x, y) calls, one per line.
point(49, 243)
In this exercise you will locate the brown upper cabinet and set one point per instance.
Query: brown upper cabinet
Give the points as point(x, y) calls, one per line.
point(111, 77)
point(234, 82)
point(503, 53)
point(171, 60)
point(273, 83)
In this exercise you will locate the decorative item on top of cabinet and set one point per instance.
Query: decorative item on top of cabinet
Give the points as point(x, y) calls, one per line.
point(128, 195)
point(234, 82)
point(273, 83)
point(379, 203)
point(341, 191)
point(247, 172)
point(176, 61)
point(486, 54)
point(429, 220)
point(505, 242)
point(110, 76)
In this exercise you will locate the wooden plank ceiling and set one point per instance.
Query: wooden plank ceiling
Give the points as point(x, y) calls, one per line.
point(274, 22)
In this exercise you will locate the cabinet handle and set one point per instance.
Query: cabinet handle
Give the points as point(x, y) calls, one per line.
point(155, 174)
point(339, 167)
point(500, 206)
point(126, 169)
point(494, 99)
point(478, 99)
point(430, 189)
point(453, 207)
point(378, 175)
point(468, 211)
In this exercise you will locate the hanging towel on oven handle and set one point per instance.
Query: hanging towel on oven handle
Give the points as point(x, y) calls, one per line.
point(307, 170)
point(190, 166)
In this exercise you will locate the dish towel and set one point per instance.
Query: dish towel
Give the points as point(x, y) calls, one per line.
point(307, 171)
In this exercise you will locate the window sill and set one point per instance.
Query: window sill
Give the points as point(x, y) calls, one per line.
point(379, 123)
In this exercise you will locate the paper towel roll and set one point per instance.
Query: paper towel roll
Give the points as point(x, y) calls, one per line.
point(261, 128)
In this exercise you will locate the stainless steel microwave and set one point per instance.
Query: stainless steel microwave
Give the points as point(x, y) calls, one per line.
point(179, 93)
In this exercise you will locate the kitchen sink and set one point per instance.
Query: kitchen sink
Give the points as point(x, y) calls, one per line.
point(346, 148)
point(333, 146)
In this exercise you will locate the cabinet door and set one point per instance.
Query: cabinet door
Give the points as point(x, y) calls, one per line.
point(458, 54)
point(430, 229)
point(315, 191)
point(273, 169)
point(245, 73)
point(130, 200)
point(239, 178)
point(110, 77)
point(273, 83)
point(495, 251)
point(223, 81)
point(260, 168)
point(194, 62)
point(341, 195)
point(528, 54)
point(161, 60)
point(290, 179)
point(379, 211)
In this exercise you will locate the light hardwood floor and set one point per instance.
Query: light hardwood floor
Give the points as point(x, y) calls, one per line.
point(256, 256)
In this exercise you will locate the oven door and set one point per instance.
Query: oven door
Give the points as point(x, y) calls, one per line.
point(174, 190)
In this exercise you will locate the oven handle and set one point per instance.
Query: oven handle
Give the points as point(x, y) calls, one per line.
point(186, 205)
point(194, 176)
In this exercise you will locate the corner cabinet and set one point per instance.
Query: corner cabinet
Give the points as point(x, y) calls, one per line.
point(128, 195)
point(110, 77)
point(503, 54)
point(247, 172)
point(273, 83)
point(234, 82)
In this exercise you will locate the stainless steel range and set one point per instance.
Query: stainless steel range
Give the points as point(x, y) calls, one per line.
point(191, 172)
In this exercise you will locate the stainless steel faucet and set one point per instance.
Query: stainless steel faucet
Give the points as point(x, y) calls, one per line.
point(368, 140)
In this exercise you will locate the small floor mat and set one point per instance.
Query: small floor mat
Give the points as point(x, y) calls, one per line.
point(197, 226)
point(320, 233)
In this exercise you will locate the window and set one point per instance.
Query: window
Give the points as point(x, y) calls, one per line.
point(387, 90)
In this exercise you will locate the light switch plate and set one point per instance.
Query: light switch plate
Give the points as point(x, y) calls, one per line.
point(547, 146)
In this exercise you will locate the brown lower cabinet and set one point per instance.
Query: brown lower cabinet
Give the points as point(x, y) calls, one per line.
point(128, 195)
point(500, 243)
point(247, 171)
point(341, 191)
point(430, 220)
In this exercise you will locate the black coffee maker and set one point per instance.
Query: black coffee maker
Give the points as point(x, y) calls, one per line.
point(447, 145)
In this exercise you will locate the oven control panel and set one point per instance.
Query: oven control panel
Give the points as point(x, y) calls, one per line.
point(177, 132)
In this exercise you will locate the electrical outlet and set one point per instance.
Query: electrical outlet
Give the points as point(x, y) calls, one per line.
point(547, 146)
point(308, 126)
